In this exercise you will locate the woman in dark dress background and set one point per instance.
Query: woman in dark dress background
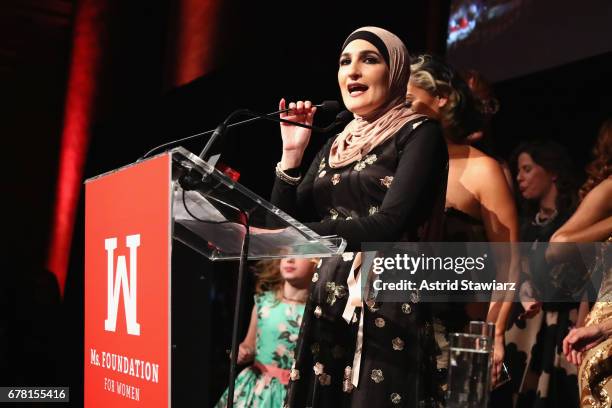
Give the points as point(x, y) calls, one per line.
point(541, 377)
point(382, 179)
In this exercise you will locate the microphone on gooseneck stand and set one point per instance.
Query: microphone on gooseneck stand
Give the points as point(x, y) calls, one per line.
point(329, 106)
point(193, 178)
point(341, 119)
point(220, 130)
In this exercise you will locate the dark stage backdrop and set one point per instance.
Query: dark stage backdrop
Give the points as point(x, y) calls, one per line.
point(34, 51)
point(567, 104)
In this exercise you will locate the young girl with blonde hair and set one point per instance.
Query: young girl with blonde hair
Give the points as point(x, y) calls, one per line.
point(281, 292)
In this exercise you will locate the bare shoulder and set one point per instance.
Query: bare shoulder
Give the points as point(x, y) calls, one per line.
point(606, 185)
point(483, 164)
point(601, 192)
point(485, 175)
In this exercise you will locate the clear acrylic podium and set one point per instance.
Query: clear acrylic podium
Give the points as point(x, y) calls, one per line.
point(219, 201)
point(134, 296)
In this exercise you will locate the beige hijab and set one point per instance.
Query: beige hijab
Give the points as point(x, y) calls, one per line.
point(363, 134)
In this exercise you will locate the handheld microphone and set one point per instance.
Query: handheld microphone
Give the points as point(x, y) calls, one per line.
point(223, 126)
point(324, 106)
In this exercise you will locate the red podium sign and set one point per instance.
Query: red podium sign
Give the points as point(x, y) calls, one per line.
point(127, 286)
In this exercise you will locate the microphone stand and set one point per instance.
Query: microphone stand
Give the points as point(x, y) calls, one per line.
point(190, 180)
point(326, 105)
point(220, 130)
point(244, 253)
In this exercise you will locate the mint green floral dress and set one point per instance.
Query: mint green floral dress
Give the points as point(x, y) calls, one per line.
point(278, 326)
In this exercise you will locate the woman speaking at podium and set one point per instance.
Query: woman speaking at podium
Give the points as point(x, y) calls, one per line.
point(382, 179)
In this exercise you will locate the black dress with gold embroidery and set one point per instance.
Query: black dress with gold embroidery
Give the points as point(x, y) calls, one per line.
point(395, 193)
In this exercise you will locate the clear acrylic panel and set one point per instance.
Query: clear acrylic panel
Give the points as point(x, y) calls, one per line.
point(210, 218)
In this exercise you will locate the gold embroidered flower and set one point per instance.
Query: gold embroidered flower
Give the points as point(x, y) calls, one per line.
point(335, 179)
point(322, 164)
point(379, 322)
point(373, 210)
point(348, 256)
point(315, 277)
point(325, 379)
point(333, 213)
point(318, 312)
point(348, 218)
point(334, 291)
point(294, 375)
point(414, 297)
point(318, 368)
point(386, 181)
point(322, 174)
point(398, 344)
point(406, 308)
point(377, 376)
point(396, 398)
point(370, 159)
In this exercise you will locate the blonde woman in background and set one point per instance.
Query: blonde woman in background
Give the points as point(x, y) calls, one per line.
point(590, 346)
point(479, 204)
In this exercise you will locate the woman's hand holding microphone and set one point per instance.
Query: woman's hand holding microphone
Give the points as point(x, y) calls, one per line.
point(295, 138)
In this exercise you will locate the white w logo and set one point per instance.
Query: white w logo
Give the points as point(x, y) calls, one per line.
point(119, 282)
